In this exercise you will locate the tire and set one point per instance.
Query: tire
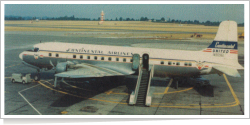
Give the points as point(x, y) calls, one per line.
point(23, 82)
point(13, 80)
point(176, 84)
point(37, 78)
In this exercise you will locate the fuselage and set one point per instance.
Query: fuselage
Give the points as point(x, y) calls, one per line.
point(166, 62)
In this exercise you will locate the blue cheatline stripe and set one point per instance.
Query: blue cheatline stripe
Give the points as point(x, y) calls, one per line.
point(224, 45)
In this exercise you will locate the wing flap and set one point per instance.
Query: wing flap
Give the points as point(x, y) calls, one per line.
point(228, 70)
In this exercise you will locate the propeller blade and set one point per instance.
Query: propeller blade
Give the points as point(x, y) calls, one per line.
point(52, 65)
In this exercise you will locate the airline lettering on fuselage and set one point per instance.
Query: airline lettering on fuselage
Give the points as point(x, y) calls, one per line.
point(220, 52)
point(120, 53)
point(82, 50)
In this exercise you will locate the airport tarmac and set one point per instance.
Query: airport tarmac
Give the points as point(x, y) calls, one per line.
point(225, 96)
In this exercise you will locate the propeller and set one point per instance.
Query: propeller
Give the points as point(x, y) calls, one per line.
point(52, 65)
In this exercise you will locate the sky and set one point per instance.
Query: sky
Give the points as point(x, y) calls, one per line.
point(201, 12)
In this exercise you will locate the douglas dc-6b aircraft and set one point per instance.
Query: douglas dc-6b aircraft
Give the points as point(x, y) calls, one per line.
point(72, 60)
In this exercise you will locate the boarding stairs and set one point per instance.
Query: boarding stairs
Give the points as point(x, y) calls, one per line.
point(141, 96)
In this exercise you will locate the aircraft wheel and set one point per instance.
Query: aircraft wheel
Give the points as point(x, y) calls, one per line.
point(176, 84)
point(37, 78)
point(23, 82)
point(13, 80)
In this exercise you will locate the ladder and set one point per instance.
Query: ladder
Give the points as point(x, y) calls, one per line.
point(142, 93)
point(141, 96)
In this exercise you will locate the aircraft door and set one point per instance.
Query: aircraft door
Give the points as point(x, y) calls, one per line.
point(136, 61)
point(145, 61)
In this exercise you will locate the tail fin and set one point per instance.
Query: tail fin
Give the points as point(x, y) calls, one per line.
point(224, 48)
point(226, 37)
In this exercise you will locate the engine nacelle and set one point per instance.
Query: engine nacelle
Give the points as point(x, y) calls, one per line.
point(61, 67)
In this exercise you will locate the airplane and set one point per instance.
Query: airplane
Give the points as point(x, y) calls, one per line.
point(74, 60)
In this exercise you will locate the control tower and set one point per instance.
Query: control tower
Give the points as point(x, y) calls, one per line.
point(102, 18)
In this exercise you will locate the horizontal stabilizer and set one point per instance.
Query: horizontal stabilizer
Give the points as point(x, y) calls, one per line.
point(227, 70)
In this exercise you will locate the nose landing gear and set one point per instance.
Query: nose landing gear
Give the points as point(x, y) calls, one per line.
point(37, 76)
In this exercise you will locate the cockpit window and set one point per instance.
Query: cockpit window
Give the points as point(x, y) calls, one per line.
point(36, 49)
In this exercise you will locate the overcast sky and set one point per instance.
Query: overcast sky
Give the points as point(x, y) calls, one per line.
point(201, 12)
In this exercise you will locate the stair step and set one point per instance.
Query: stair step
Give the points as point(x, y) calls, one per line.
point(142, 96)
point(140, 99)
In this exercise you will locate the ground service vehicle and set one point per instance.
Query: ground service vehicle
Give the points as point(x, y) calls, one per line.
point(18, 77)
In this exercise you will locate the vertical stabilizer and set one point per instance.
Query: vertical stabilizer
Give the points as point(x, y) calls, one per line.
point(227, 32)
point(226, 37)
point(224, 48)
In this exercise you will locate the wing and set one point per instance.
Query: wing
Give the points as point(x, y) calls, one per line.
point(227, 70)
point(87, 70)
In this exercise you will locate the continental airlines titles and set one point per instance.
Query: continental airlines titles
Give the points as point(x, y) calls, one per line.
point(82, 50)
point(224, 46)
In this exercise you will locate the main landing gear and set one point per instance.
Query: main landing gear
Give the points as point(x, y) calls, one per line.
point(177, 81)
point(176, 84)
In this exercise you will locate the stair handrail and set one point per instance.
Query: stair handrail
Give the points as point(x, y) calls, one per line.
point(150, 77)
point(149, 81)
point(138, 83)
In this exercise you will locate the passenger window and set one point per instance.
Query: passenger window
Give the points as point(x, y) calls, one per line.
point(81, 56)
point(50, 54)
point(178, 63)
point(169, 63)
point(117, 59)
point(57, 55)
point(88, 57)
point(102, 58)
point(95, 57)
point(74, 56)
point(162, 62)
point(124, 59)
point(109, 58)
point(185, 64)
point(190, 64)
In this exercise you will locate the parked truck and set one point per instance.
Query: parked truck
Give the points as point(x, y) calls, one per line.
point(18, 77)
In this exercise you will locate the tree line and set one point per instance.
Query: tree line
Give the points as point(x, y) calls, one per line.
point(161, 20)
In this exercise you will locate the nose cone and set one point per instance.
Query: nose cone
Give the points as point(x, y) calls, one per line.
point(21, 56)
